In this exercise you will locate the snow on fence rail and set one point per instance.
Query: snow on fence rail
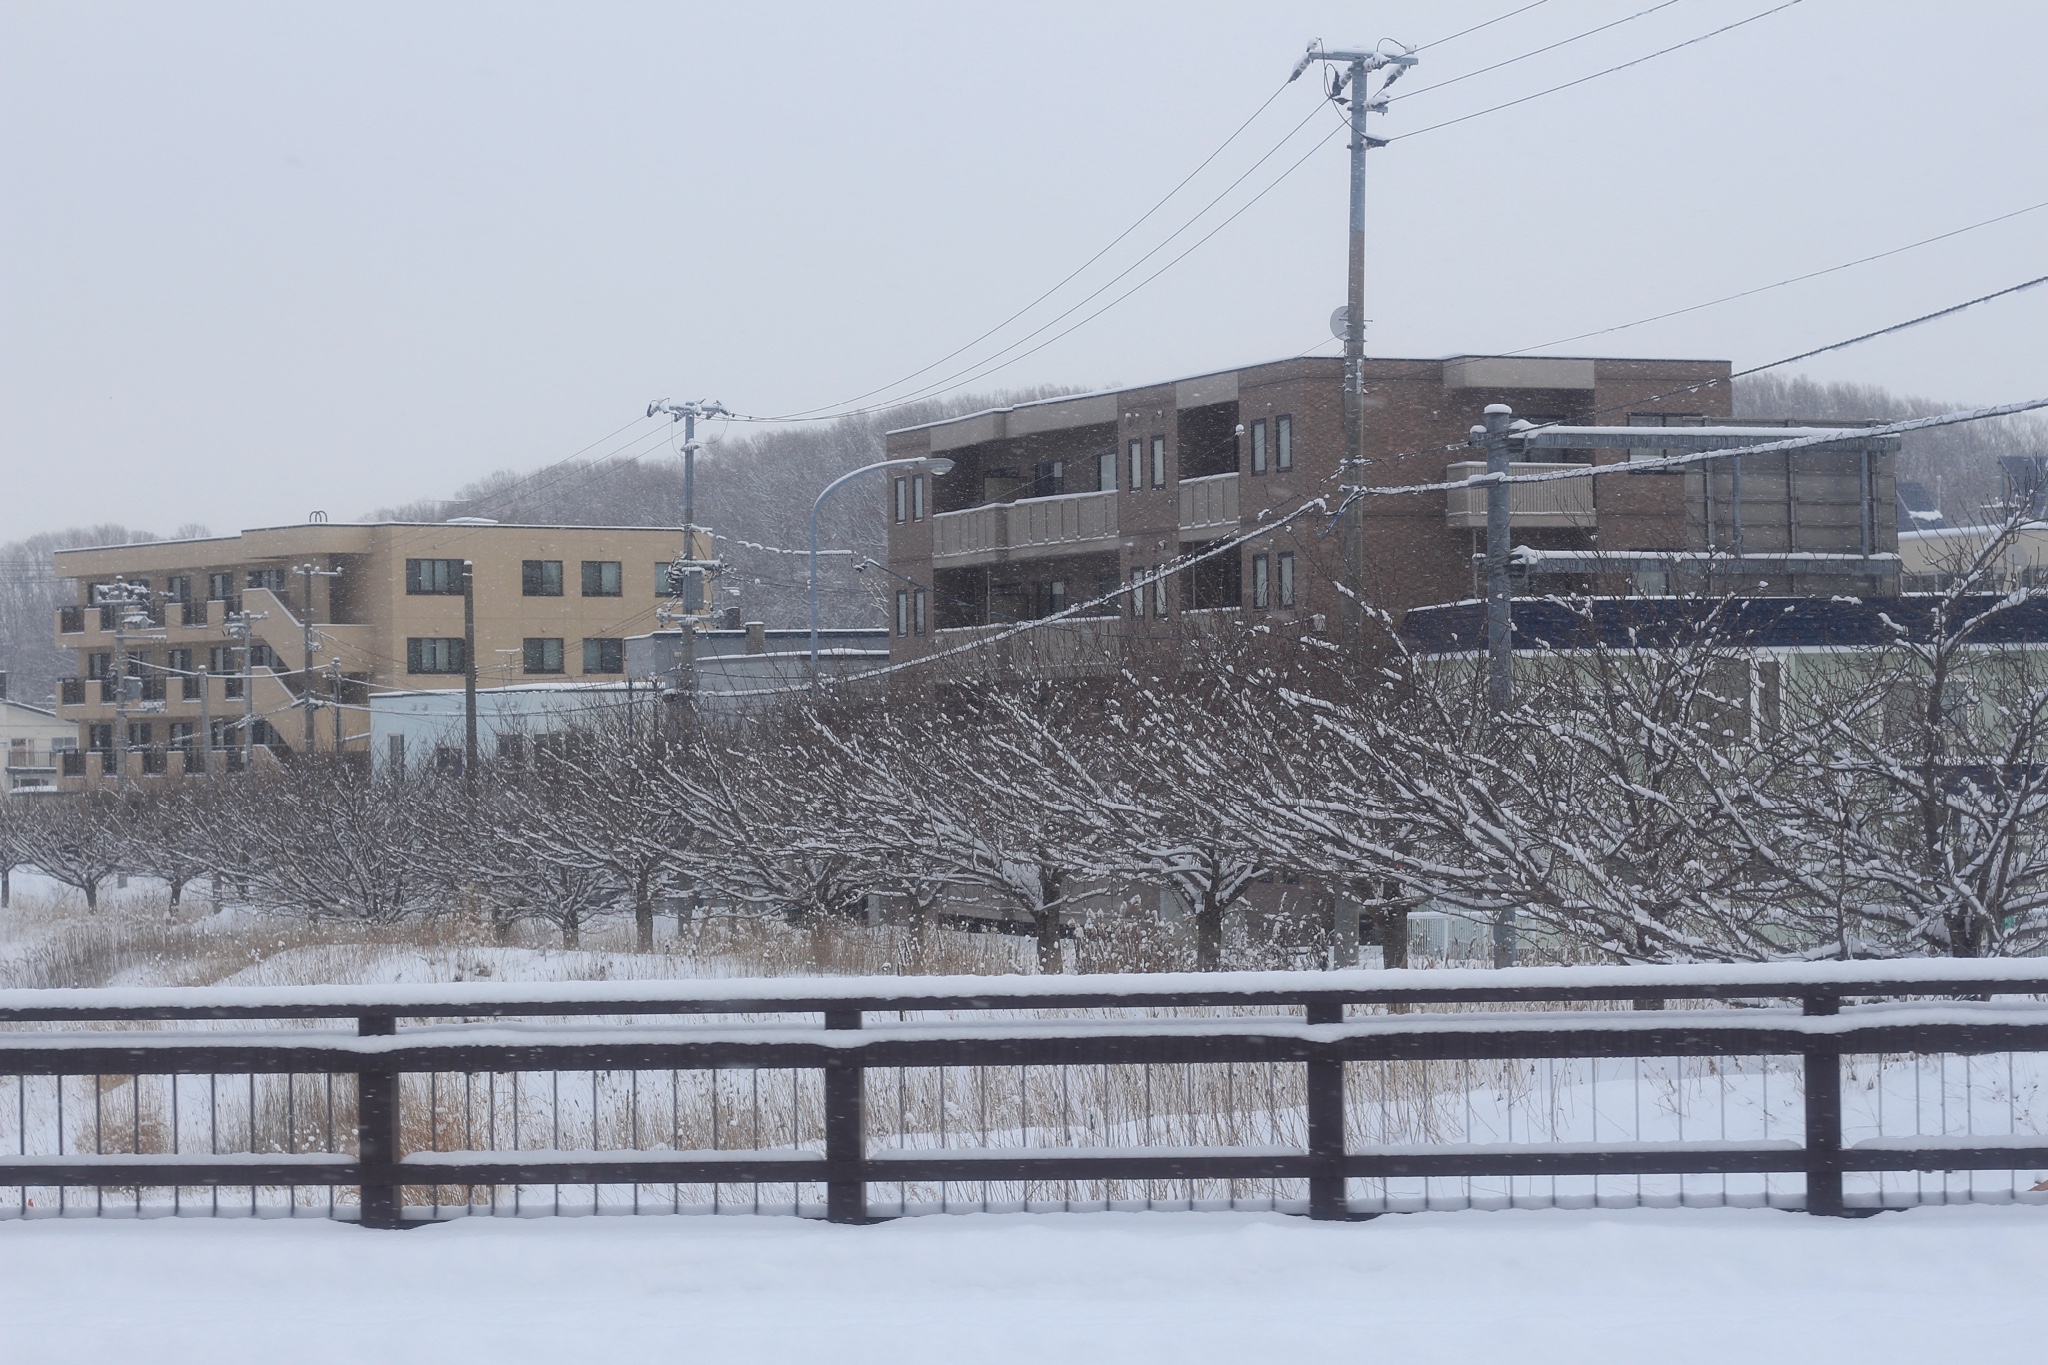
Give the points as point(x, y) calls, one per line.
point(1832, 1087)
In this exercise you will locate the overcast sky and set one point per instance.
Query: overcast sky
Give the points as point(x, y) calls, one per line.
point(261, 259)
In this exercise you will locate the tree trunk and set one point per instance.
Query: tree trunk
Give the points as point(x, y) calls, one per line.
point(643, 913)
point(177, 894)
point(1393, 917)
point(1047, 922)
point(6, 887)
point(572, 930)
point(1209, 932)
point(92, 895)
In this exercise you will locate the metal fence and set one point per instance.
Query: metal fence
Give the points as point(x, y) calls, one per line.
point(1831, 1087)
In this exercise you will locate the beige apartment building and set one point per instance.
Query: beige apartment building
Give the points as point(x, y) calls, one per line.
point(208, 654)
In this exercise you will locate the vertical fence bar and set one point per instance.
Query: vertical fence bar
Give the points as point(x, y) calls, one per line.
point(1823, 1065)
point(846, 1192)
point(1326, 1198)
point(377, 1130)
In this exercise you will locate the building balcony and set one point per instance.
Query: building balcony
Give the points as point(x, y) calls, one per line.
point(1566, 503)
point(1031, 528)
point(1208, 507)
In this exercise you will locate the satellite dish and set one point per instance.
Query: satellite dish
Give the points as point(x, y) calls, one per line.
point(1340, 321)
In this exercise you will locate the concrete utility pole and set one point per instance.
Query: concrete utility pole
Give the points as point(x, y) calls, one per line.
point(307, 573)
point(689, 563)
point(1350, 84)
point(130, 602)
point(205, 722)
point(469, 678)
point(1500, 610)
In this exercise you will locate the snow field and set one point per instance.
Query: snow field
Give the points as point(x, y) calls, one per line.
point(1671, 1287)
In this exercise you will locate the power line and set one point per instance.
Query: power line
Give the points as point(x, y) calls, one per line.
point(1609, 71)
point(1780, 284)
point(1498, 18)
point(1534, 52)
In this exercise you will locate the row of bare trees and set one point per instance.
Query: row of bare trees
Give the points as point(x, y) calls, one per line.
point(1688, 797)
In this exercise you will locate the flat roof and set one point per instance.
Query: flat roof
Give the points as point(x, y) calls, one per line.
point(1288, 360)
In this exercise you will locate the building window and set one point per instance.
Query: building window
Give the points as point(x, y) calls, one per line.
point(1159, 596)
point(1159, 462)
point(141, 734)
point(99, 665)
point(1105, 472)
point(1661, 419)
point(601, 578)
point(178, 588)
point(220, 587)
point(1259, 446)
point(271, 580)
point(1286, 567)
point(184, 733)
point(1137, 587)
point(919, 610)
point(543, 655)
point(604, 656)
point(902, 611)
point(99, 738)
point(431, 654)
point(424, 578)
point(917, 498)
point(263, 656)
point(1283, 443)
point(902, 498)
point(1262, 585)
point(540, 578)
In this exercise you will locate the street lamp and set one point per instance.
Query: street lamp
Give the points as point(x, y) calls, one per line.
point(938, 467)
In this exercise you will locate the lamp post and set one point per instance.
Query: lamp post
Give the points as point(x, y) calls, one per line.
point(937, 466)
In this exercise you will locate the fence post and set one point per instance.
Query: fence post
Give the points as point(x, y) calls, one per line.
point(1326, 1197)
point(377, 1129)
point(1823, 1065)
point(846, 1193)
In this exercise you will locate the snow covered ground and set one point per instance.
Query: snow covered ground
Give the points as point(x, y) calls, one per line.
point(1958, 1284)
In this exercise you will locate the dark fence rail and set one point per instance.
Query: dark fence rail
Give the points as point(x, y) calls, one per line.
point(366, 1114)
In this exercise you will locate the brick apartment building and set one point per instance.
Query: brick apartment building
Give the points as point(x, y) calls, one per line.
point(1058, 502)
point(385, 613)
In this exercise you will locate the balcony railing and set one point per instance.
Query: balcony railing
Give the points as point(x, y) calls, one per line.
point(71, 620)
point(192, 613)
point(73, 764)
point(1559, 503)
point(1208, 503)
point(71, 692)
point(1030, 528)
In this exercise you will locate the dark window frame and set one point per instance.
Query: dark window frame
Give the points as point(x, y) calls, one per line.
point(1137, 464)
point(528, 654)
point(533, 578)
point(1262, 583)
point(610, 653)
point(902, 611)
point(594, 572)
point(1283, 443)
point(434, 655)
point(1159, 462)
point(441, 580)
point(1283, 579)
point(902, 498)
point(1259, 455)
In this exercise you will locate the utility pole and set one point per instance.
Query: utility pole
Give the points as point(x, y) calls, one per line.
point(469, 678)
point(690, 563)
point(1350, 85)
point(130, 602)
point(241, 626)
point(307, 573)
point(334, 695)
point(1500, 610)
point(205, 722)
